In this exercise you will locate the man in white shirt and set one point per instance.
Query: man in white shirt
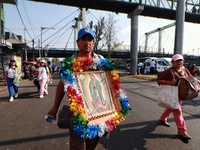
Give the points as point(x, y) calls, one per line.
point(152, 66)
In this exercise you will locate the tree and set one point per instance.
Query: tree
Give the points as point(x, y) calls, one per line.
point(99, 33)
point(110, 32)
point(105, 34)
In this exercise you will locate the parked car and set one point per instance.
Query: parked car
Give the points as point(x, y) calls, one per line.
point(161, 64)
point(142, 60)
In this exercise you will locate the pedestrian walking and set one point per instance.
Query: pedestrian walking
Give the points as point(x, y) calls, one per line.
point(139, 67)
point(152, 66)
point(12, 78)
point(85, 43)
point(43, 76)
point(50, 66)
point(78, 139)
point(35, 79)
point(166, 78)
point(26, 70)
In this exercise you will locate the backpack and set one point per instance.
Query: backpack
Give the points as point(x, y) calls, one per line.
point(188, 87)
point(64, 117)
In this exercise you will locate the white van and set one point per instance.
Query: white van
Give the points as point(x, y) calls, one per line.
point(142, 60)
point(161, 64)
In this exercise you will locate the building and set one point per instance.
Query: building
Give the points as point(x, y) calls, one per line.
point(11, 45)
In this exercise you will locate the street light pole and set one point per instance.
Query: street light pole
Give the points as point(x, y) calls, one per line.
point(41, 51)
point(41, 44)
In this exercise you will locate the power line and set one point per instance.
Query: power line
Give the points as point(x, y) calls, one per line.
point(27, 15)
point(59, 37)
point(54, 33)
point(23, 21)
point(68, 39)
point(57, 23)
point(91, 15)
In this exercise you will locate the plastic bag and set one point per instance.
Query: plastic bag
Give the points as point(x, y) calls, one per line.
point(168, 96)
point(16, 80)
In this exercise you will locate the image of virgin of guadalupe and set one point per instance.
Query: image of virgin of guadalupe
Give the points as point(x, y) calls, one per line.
point(98, 100)
point(95, 93)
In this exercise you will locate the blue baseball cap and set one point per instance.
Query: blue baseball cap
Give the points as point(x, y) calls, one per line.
point(84, 31)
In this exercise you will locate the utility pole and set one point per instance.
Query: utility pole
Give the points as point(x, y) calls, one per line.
point(1, 52)
point(74, 27)
point(43, 28)
point(0, 31)
point(83, 13)
point(26, 58)
point(81, 17)
point(33, 42)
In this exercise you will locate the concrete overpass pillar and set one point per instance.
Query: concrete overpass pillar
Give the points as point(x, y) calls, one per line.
point(134, 38)
point(180, 19)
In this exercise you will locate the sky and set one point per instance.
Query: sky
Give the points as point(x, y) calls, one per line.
point(58, 21)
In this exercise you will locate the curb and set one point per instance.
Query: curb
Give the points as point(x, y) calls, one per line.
point(143, 77)
point(3, 86)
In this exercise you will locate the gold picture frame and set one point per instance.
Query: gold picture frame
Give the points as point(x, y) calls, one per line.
point(100, 100)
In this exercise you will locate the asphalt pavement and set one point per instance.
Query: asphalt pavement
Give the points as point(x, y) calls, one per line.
point(22, 124)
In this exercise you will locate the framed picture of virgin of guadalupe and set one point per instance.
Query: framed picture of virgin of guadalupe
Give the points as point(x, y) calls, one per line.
point(100, 100)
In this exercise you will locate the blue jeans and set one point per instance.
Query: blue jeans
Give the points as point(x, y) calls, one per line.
point(11, 87)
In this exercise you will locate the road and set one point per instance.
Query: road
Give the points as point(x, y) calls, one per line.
point(23, 127)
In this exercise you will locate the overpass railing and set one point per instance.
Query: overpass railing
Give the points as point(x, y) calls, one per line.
point(192, 6)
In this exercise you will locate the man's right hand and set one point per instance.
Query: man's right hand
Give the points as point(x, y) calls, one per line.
point(53, 111)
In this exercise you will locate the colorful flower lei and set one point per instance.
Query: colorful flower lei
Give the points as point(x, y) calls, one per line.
point(80, 124)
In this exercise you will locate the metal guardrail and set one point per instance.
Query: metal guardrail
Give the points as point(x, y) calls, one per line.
point(192, 6)
point(167, 4)
point(165, 9)
point(115, 54)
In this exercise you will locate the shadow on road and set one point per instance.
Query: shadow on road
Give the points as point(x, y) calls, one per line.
point(133, 136)
point(33, 139)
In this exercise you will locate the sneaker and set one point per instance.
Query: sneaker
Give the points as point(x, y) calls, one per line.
point(16, 95)
point(46, 92)
point(11, 99)
point(185, 136)
point(164, 123)
point(41, 96)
